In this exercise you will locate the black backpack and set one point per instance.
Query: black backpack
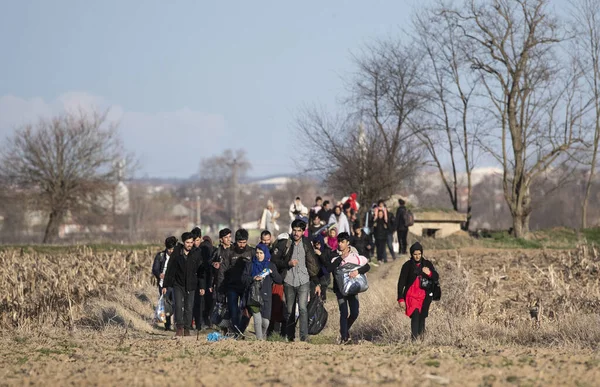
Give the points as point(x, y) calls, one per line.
point(317, 315)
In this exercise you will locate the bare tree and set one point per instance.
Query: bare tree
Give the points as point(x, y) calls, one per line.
point(70, 159)
point(353, 157)
point(587, 24)
point(223, 173)
point(533, 93)
point(370, 150)
point(448, 125)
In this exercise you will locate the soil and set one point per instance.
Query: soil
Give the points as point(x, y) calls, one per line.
point(132, 360)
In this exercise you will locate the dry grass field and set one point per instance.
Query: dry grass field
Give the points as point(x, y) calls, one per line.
point(84, 317)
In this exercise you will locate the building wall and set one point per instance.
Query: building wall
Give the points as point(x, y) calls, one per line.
point(444, 229)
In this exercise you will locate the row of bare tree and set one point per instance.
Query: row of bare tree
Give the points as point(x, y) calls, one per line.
point(504, 81)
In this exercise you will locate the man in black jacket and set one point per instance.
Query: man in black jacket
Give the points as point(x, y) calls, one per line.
point(232, 267)
point(299, 267)
point(361, 241)
point(401, 226)
point(325, 212)
point(159, 269)
point(185, 275)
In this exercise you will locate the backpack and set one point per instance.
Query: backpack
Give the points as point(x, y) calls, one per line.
point(409, 219)
point(317, 315)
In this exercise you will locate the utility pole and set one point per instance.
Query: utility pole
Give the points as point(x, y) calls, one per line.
point(234, 193)
point(198, 218)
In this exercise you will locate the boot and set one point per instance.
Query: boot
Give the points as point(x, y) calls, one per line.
point(186, 332)
point(178, 333)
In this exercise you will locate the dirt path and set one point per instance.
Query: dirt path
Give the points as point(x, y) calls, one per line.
point(112, 359)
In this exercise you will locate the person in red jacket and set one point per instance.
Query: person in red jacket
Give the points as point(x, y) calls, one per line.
point(411, 296)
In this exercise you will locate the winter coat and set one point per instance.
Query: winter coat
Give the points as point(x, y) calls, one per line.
point(206, 252)
point(159, 264)
point(400, 223)
point(266, 289)
point(219, 255)
point(342, 223)
point(186, 272)
point(409, 289)
point(391, 223)
point(324, 259)
point(282, 258)
point(324, 214)
point(381, 229)
point(233, 267)
point(361, 242)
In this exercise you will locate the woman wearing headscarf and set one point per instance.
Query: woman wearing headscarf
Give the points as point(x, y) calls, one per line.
point(262, 270)
point(411, 297)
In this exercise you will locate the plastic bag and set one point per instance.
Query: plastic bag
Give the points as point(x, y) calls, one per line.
point(160, 314)
point(317, 316)
point(350, 286)
point(255, 297)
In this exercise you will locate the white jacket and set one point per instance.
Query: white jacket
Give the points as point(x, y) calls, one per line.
point(342, 224)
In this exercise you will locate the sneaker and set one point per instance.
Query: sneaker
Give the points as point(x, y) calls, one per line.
point(375, 264)
point(342, 341)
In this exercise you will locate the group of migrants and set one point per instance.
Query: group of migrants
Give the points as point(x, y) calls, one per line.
point(290, 269)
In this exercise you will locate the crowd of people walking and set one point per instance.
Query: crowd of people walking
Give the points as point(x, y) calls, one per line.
point(273, 282)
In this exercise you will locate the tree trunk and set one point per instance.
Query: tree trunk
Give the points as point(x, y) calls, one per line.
point(469, 200)
point(53, 226)
point(517, 225)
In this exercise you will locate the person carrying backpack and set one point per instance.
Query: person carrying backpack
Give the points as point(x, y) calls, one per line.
point(345, 302)
point(411, 296)
point(299, 267)
point(404, 220)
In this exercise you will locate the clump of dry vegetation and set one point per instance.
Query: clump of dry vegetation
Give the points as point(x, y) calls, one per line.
point(490, 296)
point(495, 297)
point(57, 289)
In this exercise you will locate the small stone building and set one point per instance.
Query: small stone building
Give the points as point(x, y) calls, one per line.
point(437, 224)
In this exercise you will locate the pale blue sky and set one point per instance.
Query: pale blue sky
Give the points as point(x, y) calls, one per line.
point(202, 75)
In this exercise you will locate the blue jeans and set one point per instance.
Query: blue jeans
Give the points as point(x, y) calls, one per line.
point(345, 320)
point(297, 294)
point(233, 304)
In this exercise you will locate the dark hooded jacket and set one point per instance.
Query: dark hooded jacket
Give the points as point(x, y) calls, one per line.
point(410, 272)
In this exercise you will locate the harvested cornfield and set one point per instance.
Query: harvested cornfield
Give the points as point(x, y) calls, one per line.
point(525, 317)
point(44, 289)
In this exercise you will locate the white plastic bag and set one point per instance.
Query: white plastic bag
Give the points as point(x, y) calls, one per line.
point(160, 314)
